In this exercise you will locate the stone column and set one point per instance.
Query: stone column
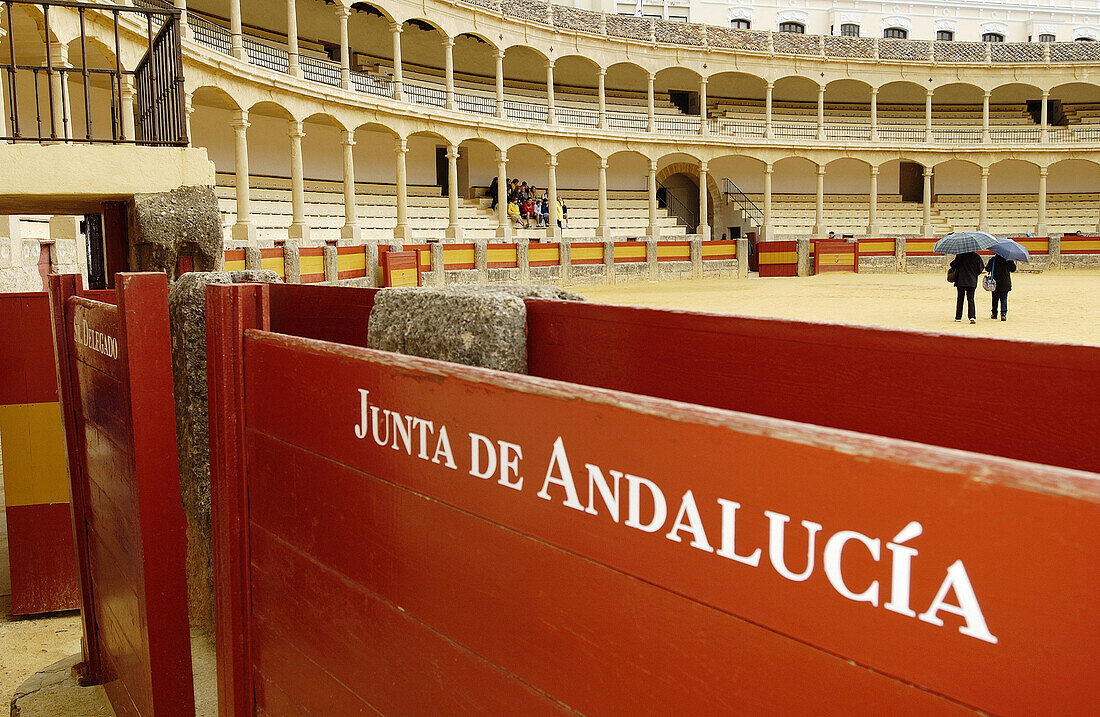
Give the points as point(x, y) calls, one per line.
point(523, 259)
point(985, 117)
point(802, 256)
point(652, 269)
point(185, 29)
point(454, 225)
point(821, 112)
point(126, 109)
point(236, 36)
point(1044, 122)
point(766, 230)
point(768, 110)
point(481, 260)
point(438, 265)
point(899, 255)
point(62, 127)
point(603, 230)
point(983, 202)
point(874, 114)
point(4, 113)
point(926, 228)
point(602, 75)
point(819, 215)
point(1041, 228)
point(552, 231)
point(742, 258)
point(449, 70)
point(188, 110)
point(331, 260)
point(872, 213)
point(651, 186)
point(245, 229)
point(298, 228)
point(704, 127)
point(504, 229)
point(928, 115)
point(401, 231)
point(350, 231)
point(500, 83)
point(398, 80)
point(651, 110)
point(695, 254)
point(703, 229)
point(342, 14)
point(565, 261)
point(292, 38)
point(550, 93)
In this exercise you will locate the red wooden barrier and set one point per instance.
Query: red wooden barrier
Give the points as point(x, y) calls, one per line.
point(400, 268)
point(836, 256)
point(311, 264)
point(922, 387)
point(115, 374)
point(339, 314)
point(777, 258)
point(586, 252)
point(351, 261)
point(1073, 244)
point(640, 548)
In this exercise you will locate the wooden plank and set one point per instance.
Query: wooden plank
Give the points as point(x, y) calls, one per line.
point(339, 314)
point(970, 531)
point(41, 557)
point(878, 381)
point(836, 256)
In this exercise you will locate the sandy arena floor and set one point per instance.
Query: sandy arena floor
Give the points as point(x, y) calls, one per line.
point(1061, 307)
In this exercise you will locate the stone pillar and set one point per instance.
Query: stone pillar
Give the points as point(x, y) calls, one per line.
point(768, 110)
point(454, 225)
point(565, 260)
point(550, 117)
point(244, 230)
point(292, 263)
point(350, 231)
point(398, 80)
point(298, 227)
point(802, 257)
point(188, 110)
point(651, 186)
point(872, 213)
point(819, 214)
point(236, 36)
point(1054, 252)
point(62, 127)
point(126, 109)
point(651, 110)
point(742, 258)
point(332, 268)
point(481, 261)
point(342, 14)
point(821, 112)
point(926, 228)
point(449, 71)
point(1041, 228)
point(1044, 121)
point(523, 259)
point(985, 117)
point(652, 269)
point(292, 38)
point(928, 115)
point(500, 83)
point(253, 260)
point(552, 231)
point(704, 127)
point(703, 229)
point(11, 241)
point(401, 231)
point(504, 229)
point(695, 253)
point(66, 235)
point(371, 260)
point(983, 202)
point(185, 29)
point(603, 230)
point(874, 114)
point(609, 260)
point(438, 266)
point(602, 76)
point(766, 230)
point(899, 254)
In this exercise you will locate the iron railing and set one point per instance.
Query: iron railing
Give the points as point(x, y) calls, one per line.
point(157, 81)
point(672, 204)
point(734, 194)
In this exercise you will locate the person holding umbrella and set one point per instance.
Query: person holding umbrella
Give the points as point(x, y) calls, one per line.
point(966, 267)
point(1000, 266)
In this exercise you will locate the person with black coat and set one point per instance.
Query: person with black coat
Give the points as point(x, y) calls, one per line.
point(1001, 270)
point(966, 269)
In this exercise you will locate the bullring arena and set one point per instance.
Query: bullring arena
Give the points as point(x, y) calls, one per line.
point(301, 413)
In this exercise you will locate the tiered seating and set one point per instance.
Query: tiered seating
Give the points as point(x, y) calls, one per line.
point(1082, 113)
point(1016, 213)
point(627, 215)
point(888, 114)
point(794, 214)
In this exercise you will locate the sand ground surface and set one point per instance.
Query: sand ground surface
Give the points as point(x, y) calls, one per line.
point(1060, 307)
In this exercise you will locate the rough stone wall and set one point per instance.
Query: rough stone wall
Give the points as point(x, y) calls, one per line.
point(187, 317)
point(163, 224)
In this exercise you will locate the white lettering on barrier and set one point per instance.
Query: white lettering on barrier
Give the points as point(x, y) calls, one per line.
point(647, 511)
point(95, 340)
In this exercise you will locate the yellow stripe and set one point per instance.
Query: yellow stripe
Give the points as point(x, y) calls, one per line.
point(1075, 245)
point(458, 256)
point(544, 253)
point(679, 252)
point(35, 471)
point(275, 263)
point(311, 265)
point(351, 262)
point(778, 257)
point(630, 252)
point(709, 250)
point(588, 252)
point(836, 259)
point(1036, 245)
point(500, 255)
point(870, 246)
point(403, 277)
point(237, 265)
point(919, 245)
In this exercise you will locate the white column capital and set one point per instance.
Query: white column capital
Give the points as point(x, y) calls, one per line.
point(703, 167)
point(402, 145)
point(127, 87)
point(928, 171)
point(1046, 94)
point(821, 89)
point(987, 93)
point(771, 86)
point(448, 42)
point(874, 91)
point(769, 168)
point(601, 71)
point(240, 121)
point(985, 171)
point(652, 166)
point(603, 163)
point(552, 160)
point(703, 81)
point(1042, 171)
point(295, 129)
point(821, 170)
point(452, 151)
point(652, 76)
point(59, 54)
point(874, 171)
point(549, 64)
point(396, 28)
point(341, 11)
point(348, 140)
point(499, 54)
point(929, 92)
point(502, 157)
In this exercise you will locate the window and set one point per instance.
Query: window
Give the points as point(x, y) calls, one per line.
point(849, 29)
point(1083, 39)
point(796, 27)
point(1046, 37)
point(945, 35)
point(740, 24)
point(896, 33)
point(993, 37)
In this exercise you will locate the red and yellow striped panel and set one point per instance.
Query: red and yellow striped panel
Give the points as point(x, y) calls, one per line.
point(627, 252)
point(876, 247)
point(543, 255)
point(833, 256)
point(424, 253)
point(459, 256)
point(273, 259)
point(674, 251)
point(351, 262)
point(502, 256)
point(311, 264)
point(234, 260)
point(586, 252)
point(719, 249)
point(777, 258)
point(919, 247)
point(1080, 245)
